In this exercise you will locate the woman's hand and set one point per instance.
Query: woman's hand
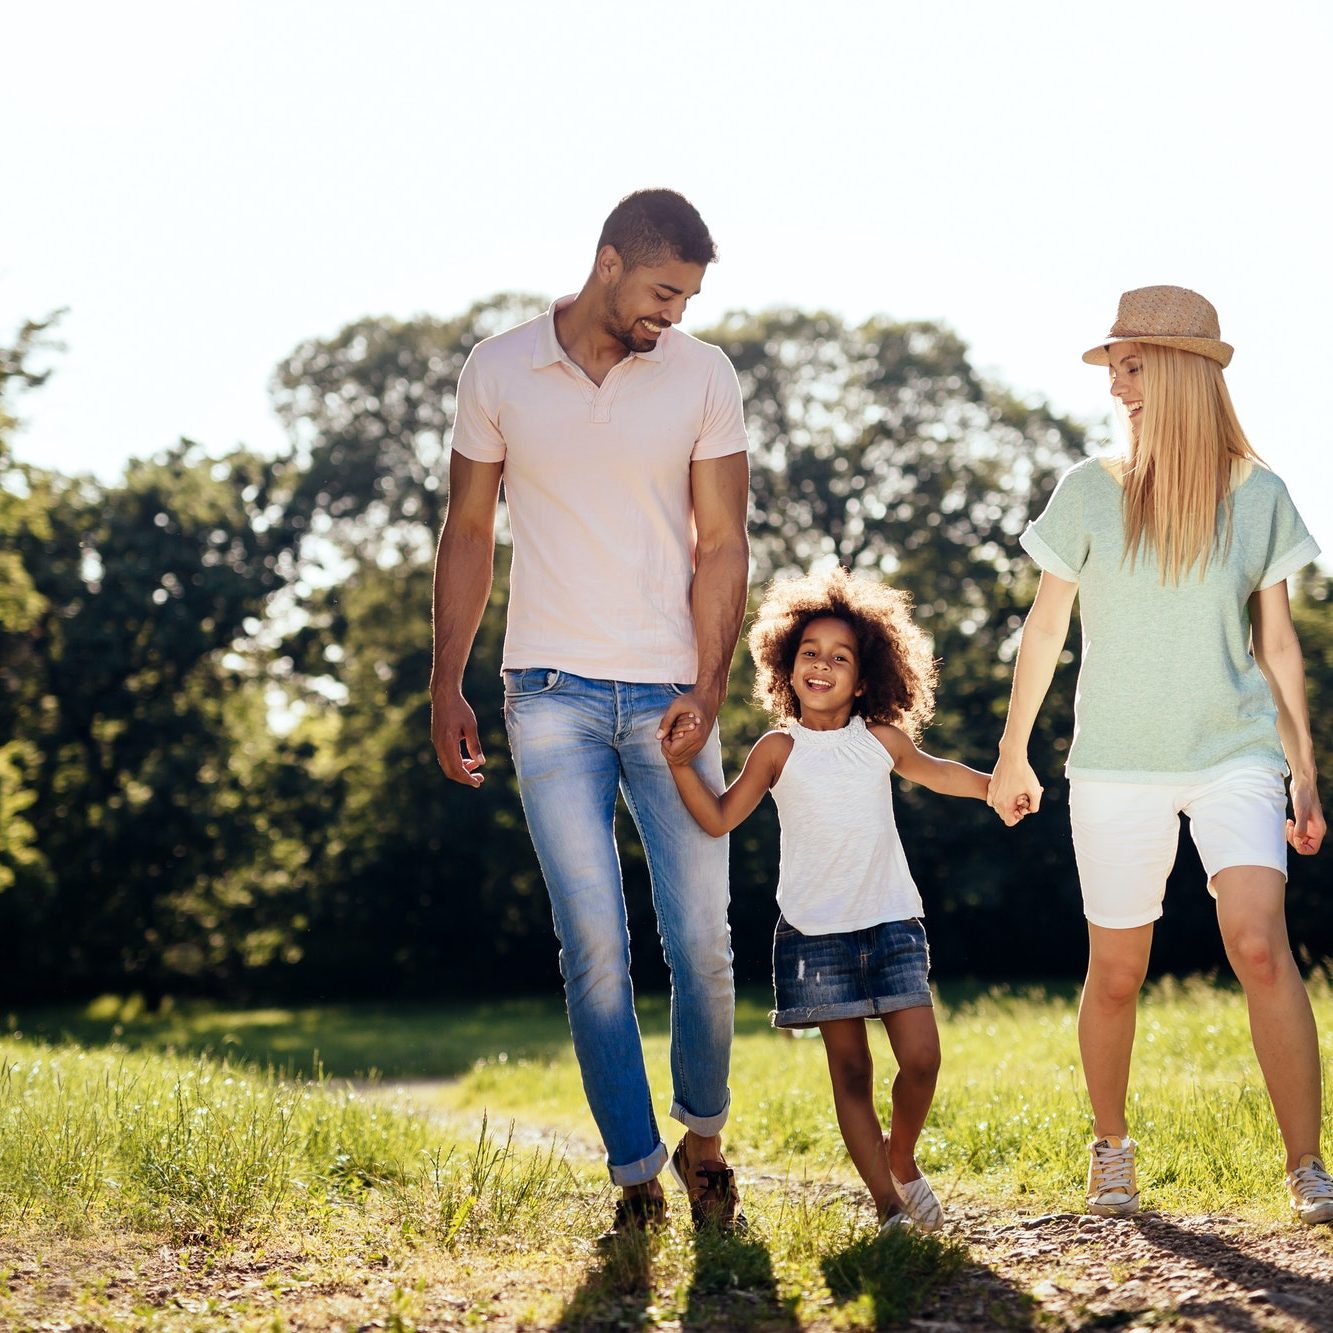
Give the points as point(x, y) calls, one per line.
point(1014, 790)
point(1305, 832)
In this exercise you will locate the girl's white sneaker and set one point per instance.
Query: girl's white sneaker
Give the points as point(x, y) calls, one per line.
point(1311, 1190)
point(919, 1199)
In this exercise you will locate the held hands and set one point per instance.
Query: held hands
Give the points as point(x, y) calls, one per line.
point(1014, 791)
point(682, 731)
point(453, 732)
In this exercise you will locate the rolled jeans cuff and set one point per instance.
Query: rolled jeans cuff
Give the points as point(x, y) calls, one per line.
point(645, 1169)
point(703, 1125)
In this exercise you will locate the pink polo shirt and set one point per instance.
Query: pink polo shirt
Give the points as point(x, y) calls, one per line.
point(597, 484)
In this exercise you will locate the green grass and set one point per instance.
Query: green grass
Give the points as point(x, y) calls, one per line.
point(218, 1128)
point(206, 1149)
point(1010, 1115)
point(1010, 1118)
point(438, 1040)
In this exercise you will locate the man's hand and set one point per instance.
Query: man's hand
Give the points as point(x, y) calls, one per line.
point(684, 728)
point(453, 732)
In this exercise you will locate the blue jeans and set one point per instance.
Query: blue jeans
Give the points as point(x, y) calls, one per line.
point(576, 742)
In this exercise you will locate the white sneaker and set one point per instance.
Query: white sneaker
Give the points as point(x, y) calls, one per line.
point(1113, 1188)
point(919, 1199)
point(1311, 1191)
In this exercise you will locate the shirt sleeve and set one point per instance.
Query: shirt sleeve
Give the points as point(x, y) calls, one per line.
point(476, 426)
point(1057, 539)
point(1290, 546)
point(723, 428)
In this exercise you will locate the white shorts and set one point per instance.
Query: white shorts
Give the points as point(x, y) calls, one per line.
point(1126, 834)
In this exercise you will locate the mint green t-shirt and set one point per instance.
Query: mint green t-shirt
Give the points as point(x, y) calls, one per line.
point(1168, 690)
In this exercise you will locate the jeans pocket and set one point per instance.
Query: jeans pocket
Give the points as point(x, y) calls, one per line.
point(529, 681)
point(678, 690)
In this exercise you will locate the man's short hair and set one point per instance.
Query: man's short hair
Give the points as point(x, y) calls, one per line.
point(652, 226)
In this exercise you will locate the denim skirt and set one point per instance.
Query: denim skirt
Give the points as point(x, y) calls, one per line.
point(852, 974)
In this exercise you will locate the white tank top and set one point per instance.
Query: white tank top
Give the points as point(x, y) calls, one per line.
point(843, 866)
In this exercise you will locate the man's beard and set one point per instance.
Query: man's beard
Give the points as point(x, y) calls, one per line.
point(626, 334)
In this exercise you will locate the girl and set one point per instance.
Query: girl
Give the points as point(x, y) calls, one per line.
point(849, 679)
point(1179, 553)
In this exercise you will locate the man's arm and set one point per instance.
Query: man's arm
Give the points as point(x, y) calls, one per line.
point(720, 489)
point(463, 568)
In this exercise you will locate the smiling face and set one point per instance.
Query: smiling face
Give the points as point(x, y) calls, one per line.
point(642, 302)
point(1127, 382)
point(826, 675)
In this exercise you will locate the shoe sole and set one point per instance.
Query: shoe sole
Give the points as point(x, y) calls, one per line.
point(1126, 1209)
point(676, 1175)
point(1320, 1215)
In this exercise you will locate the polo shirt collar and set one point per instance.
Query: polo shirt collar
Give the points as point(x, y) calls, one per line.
point(547, 351)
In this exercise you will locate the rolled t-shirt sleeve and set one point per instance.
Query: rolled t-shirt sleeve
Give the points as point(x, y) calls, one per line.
point(722, 431)
point(1290, 546)
point(476, 428)
point(1057, 539)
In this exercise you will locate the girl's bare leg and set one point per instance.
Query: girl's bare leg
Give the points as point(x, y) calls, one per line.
point(852, 1072)
point(916, 1046)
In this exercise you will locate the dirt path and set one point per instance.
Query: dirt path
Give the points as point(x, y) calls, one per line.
point(1073, 1271)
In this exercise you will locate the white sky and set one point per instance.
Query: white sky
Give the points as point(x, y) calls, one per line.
point(206, 185)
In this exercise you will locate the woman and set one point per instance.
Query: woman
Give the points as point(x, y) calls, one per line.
point(1180, 554)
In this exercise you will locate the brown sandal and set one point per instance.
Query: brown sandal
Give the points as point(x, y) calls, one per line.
point(711, 1187)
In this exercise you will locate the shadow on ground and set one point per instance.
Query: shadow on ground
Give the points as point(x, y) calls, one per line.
point(1306, 1298)
point(927, 1280)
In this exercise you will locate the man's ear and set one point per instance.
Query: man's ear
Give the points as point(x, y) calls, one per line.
point(608, 266)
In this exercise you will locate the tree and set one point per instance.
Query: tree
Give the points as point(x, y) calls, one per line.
point(22, 521)
point(367, 412)
point(147, 717)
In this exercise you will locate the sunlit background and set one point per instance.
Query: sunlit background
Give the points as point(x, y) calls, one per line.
point(204, 187)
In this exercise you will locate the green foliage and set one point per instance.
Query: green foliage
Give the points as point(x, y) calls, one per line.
point(23, 522)
point(137, 691)
point(215, 767)
point(368, 412)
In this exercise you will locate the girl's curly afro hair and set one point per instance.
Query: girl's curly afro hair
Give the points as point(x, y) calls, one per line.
point(897, 669)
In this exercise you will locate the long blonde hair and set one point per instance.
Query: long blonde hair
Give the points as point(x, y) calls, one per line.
point(1180, 465)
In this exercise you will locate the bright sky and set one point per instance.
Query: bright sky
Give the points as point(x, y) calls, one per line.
point(204, 186)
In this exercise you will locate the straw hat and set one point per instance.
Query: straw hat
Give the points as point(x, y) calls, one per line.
point(1168, 317)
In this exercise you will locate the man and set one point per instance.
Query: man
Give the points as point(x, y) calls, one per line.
point(621, 444)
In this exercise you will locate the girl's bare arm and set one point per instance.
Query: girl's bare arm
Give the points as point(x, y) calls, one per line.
point(717, 813)
point(946, 776)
